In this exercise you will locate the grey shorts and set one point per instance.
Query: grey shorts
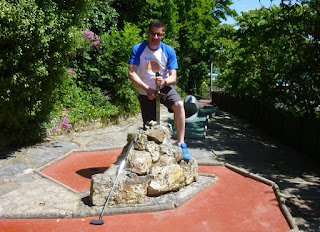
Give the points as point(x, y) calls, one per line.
point(148, 107)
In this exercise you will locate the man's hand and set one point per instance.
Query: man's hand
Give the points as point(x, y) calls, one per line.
point(159, 81)
point(151, 94)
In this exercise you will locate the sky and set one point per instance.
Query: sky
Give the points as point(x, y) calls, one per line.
point(246, 5)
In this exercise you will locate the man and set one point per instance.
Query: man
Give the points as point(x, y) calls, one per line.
point(148, 58)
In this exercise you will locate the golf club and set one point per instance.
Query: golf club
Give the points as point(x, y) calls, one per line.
point(100, 221)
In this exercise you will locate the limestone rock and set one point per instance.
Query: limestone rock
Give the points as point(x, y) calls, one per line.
point(190, 170)
point(156, 135)
point(165, 160)
point(153, 148)
point(139, 161)
point(172, 150)
point(167, 129)
point(165, 179)
point(141, 142)
point(129, 189)
point(132, 136)
point(154, 167)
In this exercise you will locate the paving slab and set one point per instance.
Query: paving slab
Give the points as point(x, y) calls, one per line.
point(238, 142)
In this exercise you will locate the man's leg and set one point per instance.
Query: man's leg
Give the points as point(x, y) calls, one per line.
point(148, 109)
point(179, 120)
point(175, 103)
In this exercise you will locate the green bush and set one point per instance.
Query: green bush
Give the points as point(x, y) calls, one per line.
point(273, 57)
point(98, 87)
point(101, 18)
point(34, 42)
point(81, 105)
point(105, 66)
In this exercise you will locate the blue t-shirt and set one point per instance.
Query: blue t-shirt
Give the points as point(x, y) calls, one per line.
point(151, 61)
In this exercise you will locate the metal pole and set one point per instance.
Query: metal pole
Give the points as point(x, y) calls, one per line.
point(211, 67)
point(211, 77)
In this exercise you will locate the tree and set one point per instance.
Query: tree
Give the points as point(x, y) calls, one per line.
point(34, 42)
point(197, 20)
point(274, 57)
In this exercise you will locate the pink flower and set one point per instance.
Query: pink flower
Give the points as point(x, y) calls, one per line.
point(64, 109)
point(72, 73)
point(96, 43)
point(64, 114)
point(68, 126)
point(65, 121)
point(54, 130)
point(87, 34)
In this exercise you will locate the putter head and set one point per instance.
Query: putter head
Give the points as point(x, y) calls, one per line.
point(97, 222)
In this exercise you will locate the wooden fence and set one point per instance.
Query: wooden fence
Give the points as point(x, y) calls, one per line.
point(299, 133)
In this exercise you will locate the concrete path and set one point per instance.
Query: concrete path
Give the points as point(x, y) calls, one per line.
point(229, 140)
point(236, 142)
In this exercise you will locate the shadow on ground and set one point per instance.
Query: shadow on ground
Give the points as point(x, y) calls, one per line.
point(235, 141)
point(89, 172)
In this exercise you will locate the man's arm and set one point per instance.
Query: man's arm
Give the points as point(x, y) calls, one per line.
point(172, 79)
point(136, 80)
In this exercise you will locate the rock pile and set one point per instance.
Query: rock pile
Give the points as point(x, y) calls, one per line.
point(154, 166)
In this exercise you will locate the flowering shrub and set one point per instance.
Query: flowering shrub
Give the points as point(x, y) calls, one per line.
point(87, 34)
point(96, 43)
point(64, 124)
point(34, 38)
point(72, 73)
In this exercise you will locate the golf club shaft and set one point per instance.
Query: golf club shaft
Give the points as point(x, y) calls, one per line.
point(118, 173)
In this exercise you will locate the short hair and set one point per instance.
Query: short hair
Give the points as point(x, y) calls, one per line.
point(157, 24)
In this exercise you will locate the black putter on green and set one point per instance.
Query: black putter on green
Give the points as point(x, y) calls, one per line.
point(100, 221)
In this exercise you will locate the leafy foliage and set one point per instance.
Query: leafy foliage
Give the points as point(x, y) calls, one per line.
point(196, 24)
point(33, 43)
point(106, 69)
point(273, 57)
point(101, 18)
point(100, 88)
point(89, 104)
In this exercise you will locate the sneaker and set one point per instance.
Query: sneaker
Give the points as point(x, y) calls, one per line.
point(186, 155)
